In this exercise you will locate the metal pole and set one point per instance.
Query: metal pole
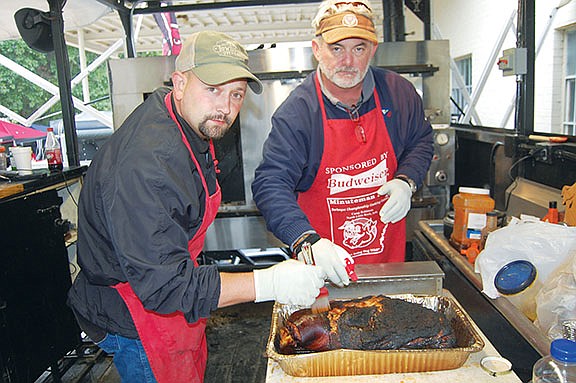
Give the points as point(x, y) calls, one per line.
point(388, 36)
point(393, 20)
point(126, 19)
point(526, 39)
point(427, 22)
point(63, 69)
point(488, 68)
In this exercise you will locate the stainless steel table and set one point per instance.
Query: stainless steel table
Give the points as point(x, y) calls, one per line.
point(511, 332)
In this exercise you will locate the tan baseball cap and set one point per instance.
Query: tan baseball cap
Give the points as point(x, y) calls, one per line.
point(215, 58)
point(338, 20)
point(346, 25)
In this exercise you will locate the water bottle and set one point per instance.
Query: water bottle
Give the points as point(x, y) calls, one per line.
point(53, 151)
point(559, 366)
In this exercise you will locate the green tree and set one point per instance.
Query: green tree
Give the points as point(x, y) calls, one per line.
point(24, 97)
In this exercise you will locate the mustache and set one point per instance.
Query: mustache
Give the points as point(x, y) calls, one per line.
point(220, 117)
point(347, 69)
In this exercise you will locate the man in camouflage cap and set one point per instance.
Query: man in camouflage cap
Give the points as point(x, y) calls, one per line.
point(148, 198)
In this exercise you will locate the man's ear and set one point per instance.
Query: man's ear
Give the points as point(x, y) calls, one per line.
point(179, 83)
point(315, 48)
point(374, 49)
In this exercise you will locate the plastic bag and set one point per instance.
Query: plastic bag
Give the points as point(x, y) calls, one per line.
point(544, 244)
point(556, 301)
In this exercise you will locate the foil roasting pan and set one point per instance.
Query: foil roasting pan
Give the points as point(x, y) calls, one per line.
point(356, 362)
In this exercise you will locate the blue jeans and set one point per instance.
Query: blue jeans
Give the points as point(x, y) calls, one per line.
point(129, 358)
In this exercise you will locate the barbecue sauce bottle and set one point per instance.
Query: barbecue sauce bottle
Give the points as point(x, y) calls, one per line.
point(470, 208)
point(52, 151)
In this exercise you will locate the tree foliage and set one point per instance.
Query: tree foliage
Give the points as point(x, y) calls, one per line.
point(24, 97)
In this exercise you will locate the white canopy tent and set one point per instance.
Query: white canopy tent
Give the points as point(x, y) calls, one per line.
point(77, 14)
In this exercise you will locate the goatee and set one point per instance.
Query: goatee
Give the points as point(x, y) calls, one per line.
point(214, 131)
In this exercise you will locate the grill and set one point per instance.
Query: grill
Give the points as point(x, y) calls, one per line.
point(244, 259)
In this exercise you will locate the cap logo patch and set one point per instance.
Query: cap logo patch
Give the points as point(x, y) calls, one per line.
point(349, 20)
point(228, 49)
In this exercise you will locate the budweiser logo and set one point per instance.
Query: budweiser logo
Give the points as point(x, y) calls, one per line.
point(374, 177)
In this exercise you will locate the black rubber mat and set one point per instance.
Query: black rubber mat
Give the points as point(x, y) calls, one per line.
point(237, 337)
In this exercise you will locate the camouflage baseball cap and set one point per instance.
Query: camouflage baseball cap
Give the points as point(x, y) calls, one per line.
point(215, 58)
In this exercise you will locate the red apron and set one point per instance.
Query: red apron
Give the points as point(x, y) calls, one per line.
point(176, 349)
point(343, 204)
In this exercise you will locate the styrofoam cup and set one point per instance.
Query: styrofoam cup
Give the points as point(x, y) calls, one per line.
point(22, 156)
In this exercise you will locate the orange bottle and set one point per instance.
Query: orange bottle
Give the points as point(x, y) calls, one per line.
point(552, 215)
point(470, 208)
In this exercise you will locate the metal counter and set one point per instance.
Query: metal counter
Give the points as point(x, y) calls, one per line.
point(534, 336)
point(512, 333)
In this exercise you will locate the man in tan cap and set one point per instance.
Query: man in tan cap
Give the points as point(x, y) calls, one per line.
point(346, 151)
point(147, 200)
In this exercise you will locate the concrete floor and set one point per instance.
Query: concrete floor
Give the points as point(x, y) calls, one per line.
point(237, 338)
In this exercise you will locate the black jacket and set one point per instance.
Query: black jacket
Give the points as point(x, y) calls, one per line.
point(142, 200)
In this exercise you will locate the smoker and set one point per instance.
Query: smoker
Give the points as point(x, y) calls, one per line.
point(238, 238)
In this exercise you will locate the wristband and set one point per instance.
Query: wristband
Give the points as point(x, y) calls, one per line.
point(409, 181)
point(311, 238)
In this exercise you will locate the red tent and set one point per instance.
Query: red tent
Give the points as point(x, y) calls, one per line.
point(18, 133)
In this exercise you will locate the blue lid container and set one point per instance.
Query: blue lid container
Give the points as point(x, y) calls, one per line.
point(515, 277)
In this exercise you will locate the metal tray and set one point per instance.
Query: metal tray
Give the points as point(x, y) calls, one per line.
point(355, 362)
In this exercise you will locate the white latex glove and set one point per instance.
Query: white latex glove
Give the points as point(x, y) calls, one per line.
point(289, 282)
point(348, 260)
point(330, 257)
point(398, 202)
